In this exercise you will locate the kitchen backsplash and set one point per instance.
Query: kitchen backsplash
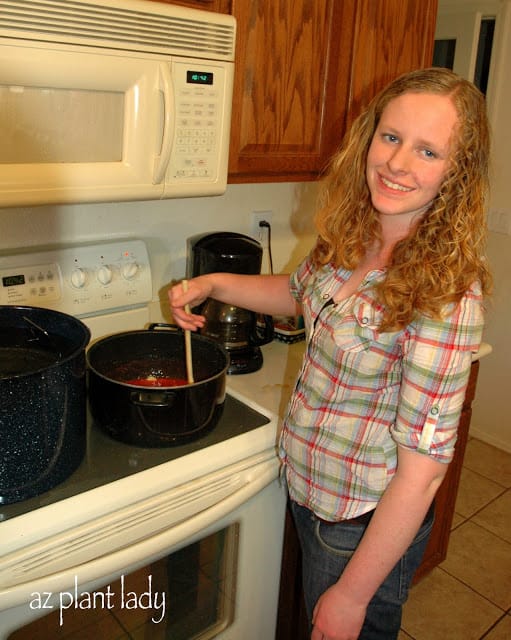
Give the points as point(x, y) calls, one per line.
point(165, 225)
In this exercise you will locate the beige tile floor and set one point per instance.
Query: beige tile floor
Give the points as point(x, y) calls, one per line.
point(468, 596)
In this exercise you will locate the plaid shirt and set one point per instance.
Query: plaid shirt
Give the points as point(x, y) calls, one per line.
point(360, 393)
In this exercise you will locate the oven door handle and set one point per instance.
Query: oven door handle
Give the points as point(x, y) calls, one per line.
point(123, 556)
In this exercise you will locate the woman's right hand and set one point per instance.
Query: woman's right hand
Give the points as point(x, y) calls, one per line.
point(198, 290)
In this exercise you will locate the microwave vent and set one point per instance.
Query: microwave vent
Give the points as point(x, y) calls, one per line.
point(128, 25)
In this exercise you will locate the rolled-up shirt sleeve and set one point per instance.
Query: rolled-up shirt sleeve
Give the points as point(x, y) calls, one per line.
point(436, 367)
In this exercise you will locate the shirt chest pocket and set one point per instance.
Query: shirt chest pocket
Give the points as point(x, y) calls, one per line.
point(359, 344)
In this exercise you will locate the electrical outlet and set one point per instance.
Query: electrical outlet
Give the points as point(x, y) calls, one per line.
point(499, 221)
point(256, 231)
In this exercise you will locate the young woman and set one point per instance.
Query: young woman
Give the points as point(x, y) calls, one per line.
point(392, 297)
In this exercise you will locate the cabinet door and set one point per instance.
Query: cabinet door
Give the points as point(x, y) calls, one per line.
point(392, 37)
point(305, 69)
point(290, 87)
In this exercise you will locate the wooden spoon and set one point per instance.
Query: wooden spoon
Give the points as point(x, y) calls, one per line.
point(188, 341)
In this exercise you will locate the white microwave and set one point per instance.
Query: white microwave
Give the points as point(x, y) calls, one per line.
point(106, 100)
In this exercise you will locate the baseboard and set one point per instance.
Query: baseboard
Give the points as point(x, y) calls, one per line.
point(474, 432)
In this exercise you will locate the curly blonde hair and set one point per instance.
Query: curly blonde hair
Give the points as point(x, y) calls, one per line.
point(436, 264)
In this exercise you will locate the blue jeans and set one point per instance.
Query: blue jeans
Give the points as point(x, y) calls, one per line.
point(327, 549)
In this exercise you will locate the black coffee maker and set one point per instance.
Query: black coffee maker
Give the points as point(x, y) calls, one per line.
point(240, 331)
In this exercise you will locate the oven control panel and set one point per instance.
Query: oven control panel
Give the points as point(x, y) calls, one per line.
point(82, 280)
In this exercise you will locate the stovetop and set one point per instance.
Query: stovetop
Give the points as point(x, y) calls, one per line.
point(109, 286)
point(107, 460)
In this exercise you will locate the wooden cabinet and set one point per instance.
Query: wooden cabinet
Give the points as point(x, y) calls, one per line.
point(391, 37)
point(292, 621)
point(305, 68)
point(291, 86)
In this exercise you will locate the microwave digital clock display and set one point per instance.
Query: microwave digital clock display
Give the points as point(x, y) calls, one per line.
point(13, 281)
point(199, 77)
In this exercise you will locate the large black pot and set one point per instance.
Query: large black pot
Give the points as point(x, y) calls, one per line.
point(42, 399)
point(155, 416)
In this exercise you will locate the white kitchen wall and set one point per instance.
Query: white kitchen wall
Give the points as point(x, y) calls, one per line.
point(165, 225)
point(491, 419)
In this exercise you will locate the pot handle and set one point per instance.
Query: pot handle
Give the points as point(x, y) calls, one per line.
point(183, 434)
point(164, 325)
point(145, 399)
point(265, 334)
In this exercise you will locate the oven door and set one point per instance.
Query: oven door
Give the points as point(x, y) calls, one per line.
point(193, 581)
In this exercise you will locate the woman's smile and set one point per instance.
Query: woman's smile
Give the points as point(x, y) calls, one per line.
point(394, 185)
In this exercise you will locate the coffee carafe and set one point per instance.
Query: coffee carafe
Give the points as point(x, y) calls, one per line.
point(240, 331)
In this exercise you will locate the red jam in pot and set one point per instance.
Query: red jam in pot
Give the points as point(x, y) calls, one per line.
point(153, 381)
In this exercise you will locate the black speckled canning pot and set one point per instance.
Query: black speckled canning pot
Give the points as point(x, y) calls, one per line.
point(155, 416)
point(42, 399)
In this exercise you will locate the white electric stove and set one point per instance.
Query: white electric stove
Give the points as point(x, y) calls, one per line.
point(127, 506)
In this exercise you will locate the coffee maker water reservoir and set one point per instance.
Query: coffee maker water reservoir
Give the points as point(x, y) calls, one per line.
point(234, 327)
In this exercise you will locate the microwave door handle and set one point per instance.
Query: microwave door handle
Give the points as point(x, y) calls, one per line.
point(162, 160)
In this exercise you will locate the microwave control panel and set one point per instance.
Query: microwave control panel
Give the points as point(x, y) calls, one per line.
point(200, 118)
point(82, 280)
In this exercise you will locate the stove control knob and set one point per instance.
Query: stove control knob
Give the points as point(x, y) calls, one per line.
point(79, 278)
point(129, 270)
point(104, 275)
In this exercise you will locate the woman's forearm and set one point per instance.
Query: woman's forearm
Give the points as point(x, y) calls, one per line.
point(341, 609)
point(267, 294)
point(391, 531)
